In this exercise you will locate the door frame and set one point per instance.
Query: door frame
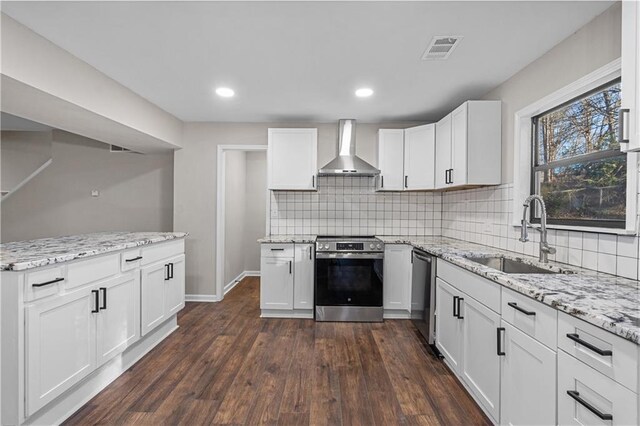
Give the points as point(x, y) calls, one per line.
point(220, 209)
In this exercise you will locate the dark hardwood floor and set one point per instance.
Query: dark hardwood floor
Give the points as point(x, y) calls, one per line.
point(226, 365)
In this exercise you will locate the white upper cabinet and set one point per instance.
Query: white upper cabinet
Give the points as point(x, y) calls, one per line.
point(292, 159)
point(419, 157)
point(469, 146)
point(630, 101)
point(391, 159)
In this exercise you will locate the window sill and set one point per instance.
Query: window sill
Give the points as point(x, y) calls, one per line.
point(614, 231)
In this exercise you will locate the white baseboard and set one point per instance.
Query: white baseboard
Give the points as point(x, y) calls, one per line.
point(201, 298)
point(228, 287)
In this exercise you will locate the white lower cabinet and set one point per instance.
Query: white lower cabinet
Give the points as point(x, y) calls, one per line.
point(60, 345)
point(174, 286)
point(528, 380)
point(448, 325)
point(303, 277)
point(397, 278)
point(276, 283)
point(588, 397)
point(152, 296)
point(480, 360)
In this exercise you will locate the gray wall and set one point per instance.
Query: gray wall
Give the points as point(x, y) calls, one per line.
point(135, 193)
point(195, 182)
point(22, 153)
point(255, 208)
point(235, 177)
point(594, 45)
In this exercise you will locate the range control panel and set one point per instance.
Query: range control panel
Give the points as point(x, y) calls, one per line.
point(345, 245)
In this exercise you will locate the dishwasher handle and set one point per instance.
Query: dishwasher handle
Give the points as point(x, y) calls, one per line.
point(421, 257)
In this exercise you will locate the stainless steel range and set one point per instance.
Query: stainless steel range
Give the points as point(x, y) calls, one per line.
point(349, 279)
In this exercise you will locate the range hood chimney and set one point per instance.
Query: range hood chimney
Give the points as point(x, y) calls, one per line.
point(347, 163)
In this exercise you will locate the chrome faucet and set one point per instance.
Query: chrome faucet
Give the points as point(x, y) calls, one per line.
point(545, 248)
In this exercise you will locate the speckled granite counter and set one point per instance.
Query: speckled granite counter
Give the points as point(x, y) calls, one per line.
point(609, 302)
point(21, 255)
point(300, 239)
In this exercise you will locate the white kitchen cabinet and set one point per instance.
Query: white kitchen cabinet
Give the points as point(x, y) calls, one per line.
point(480, 358)
point(152, 283)
point(419, 157)
point(276, 283)
point(60, 345)
point(448, 325)
point(303, 277)
point(118, 322)
point(397, 279)
point(588, 397)
point(391, 159)
point(630, 85)
point(174, 286)
point(469, 146)
point(528, 380)
point(292, 159)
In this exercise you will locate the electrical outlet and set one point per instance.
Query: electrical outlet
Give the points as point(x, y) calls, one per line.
point(95, 193)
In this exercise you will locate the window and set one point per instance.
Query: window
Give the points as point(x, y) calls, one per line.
point(578, 167)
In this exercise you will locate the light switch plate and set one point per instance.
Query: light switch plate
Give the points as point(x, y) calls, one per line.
point(95, 193)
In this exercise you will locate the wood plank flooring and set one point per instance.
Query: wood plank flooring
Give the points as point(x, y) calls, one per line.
point(226, 365)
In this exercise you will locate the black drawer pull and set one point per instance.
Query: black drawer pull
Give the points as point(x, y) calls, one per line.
point(134, 259)
point(96, 295)
point(455, 303)
point(166, 272)
point(104, 297)
point(171, 271)
point(499, 342)
point(576, 338)
point(460, 299)
point(515, 306)
point(57, 280)
point(280, 249)
point(576, 395)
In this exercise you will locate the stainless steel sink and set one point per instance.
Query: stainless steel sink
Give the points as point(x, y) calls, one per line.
point(510, 266)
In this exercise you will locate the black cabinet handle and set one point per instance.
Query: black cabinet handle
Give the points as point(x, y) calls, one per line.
point(381, 181)
point(290, 267)
point(515, 306)
point(576, 395)
point(450, 176)
point(310, 252)
point(460, 299)
point(171, 271)
point(134, 259)
point(621, 125)
point(576, 338)
point(104, 298)
point(455, 303)
point(499, 342)
point(406, 184)
point(96, 299)
point(57, 280)
point(166, 272)
point(313, 181)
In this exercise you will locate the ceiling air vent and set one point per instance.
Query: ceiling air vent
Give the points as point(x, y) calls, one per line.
point(441, 47)
point(116, 148)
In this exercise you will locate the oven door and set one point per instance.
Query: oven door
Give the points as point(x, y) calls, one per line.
point(344, 279)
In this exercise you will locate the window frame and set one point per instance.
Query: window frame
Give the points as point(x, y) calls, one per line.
point(581, 158)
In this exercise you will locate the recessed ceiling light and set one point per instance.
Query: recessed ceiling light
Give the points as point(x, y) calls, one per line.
point(364, 92)
point(225, 92)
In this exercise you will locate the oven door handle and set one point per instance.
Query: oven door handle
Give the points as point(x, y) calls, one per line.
point(320, 255)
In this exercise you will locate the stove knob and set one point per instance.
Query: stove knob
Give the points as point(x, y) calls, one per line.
point(372, 246)
point(379, 246)
point(326, 246)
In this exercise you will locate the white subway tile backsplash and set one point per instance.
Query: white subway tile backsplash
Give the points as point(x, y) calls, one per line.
point(607, 263)
point(627, 246)
point(590, 241)
point(627, 267)
point(607, 243)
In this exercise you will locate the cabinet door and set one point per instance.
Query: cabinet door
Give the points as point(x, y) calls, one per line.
point(292, 158)
point(118, 323)
point(276, 283)
point(419, 157)
point(528, 373)
point(397, 277)
point(448, 326)
point(459, 145)
point(152, 295)
point(303, 277)
point(630, 96)
point(60, 345)
point(174, 286)
point(443, 152)
point(480, 360)
point(391, 159)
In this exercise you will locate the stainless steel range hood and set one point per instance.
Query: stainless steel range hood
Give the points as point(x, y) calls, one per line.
point(347, 163)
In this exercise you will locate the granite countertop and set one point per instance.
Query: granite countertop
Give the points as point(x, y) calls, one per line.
point(21, 255)
point(609, 302)
point(279, 239)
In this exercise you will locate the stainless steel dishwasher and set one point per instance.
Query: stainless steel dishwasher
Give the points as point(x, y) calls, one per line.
point(423, 292)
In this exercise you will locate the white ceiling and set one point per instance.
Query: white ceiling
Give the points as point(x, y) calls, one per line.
point(302, 61)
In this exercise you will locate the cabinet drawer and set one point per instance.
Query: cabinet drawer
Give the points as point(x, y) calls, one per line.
point(91, 270)
point(530, 316)
point(43, 283)
point(594, 397)
point(485, 291)
point(130, 259)
point(156, 252)
point(619, 357)
point(277, 250)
